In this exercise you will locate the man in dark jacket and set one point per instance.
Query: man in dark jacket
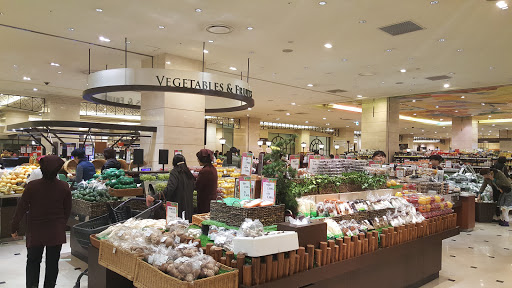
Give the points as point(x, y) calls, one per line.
point(85, 169)
point(46, 203)
point(110, 156)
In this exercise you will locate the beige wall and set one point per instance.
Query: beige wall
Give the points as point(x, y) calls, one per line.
point(380, 125)
point(464, 133)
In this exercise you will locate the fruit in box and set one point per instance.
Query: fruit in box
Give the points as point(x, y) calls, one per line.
point(398, 194)
point(437, 199)
point(449, 205)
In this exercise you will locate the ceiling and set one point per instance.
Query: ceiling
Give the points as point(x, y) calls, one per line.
point(461, 39)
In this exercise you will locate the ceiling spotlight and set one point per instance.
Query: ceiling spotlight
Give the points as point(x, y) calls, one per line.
point(161, 27)
point(441, 119)
point(55, 64)
point(310, 85)
point(493, 125)
point(287, 114)
point(444, 127)
point(359, 96)
point(442, 40)
point(205, 51)
point(168, 62)
point(459, 50)
point(71, 29)
point(307, 122)
point(99, 10)
point(328, 45)
point(327, 124)
point(434, 2)
point(35, 89)
point(199, 10)
point(362, 21)
point(446, 85)
point(250, 28)
point(414, 114)
point(489, 116)
point(324, 118)
point(344, 59)
point(128, 42)
point(502, 5)
point(277, 119)
point(347, 126)
point(210, 41)
point(456, 111)
point(462, 97)
point(322, 3)
point(293, 103)
point(389, 50)
point(26, 78)
point(104, 39)
point(414, 100)
point(483, 104)
point(437, 106)
point(232, 68)
point(249, 109)
point(403, 70)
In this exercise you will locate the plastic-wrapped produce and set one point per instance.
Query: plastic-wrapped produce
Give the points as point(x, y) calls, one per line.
point(250, 228)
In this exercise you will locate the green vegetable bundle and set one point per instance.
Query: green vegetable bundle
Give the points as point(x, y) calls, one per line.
point(111, 174)
point(93, 195)
point(147, 177)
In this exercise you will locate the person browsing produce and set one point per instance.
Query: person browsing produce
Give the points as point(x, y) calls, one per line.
point(379, 156)
point(206, 184)
point(501, 188)
point(110, 156)
point(501, 164)
point(84, 170)
point(435, 161)
point(179, 189)
point(46, 203)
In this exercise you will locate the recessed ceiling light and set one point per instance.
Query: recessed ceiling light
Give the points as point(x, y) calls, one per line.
point(434, 2)
point(99, 10)
point(442, 40)
point(422, 130)
point(232, 68)
point(359, 96)
point(26, 78)
point(327, 124)
point(456, 111)
point(382, 82)
point(441, 119)
point(414, 100)
point(462, 96)
point(483, 104)
point(324, 118)
point(322, 3)
point(35, 89)
point(435, 132)
point(104, 39)
point(293, 103)
point(502, 5)
point(310, 85)
point(168, 62)
point(405, 128)
point(205, 51)
point(71, 29)
point(278, 119)
point(287, 114)
point(493, 125)
point(414, 114)
point(307, 122)
point(489, 116)
point(459, 50)
point(389, 50)
point(249, 108)
point(161, 27)
point(403, 70)
point(362, 21)
point(444, 127)
point(490, 131)
point(250, 28)
point(446, 85)
point(199, 10)
point(347, 126)
point(344, 59)
point(437, 106)
point(128, 42)
point(55, 64)
point(59, 72)
point(210, 41)
point(328, 45)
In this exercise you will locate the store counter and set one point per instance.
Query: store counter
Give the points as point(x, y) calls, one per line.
point(8, 205)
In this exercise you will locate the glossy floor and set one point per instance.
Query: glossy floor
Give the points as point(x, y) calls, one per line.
point(481, 258)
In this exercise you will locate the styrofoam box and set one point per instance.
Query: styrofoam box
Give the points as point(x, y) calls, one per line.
point(266, 245)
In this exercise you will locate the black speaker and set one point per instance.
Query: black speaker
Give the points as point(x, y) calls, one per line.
point(163, 156)
point(138, 157)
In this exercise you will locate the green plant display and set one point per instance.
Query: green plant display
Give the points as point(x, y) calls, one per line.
point(278, 168)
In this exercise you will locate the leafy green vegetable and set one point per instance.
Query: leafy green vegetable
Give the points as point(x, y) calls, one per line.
point(163, 177)
point(147, 177)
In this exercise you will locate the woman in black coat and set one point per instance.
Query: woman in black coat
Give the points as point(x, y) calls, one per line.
point(179, 189)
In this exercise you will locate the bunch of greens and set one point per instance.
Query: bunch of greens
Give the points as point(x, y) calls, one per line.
point(163, 177)
point(147, 177)
point(279, 169)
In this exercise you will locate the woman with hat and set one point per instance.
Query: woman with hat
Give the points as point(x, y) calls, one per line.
point(206, 184)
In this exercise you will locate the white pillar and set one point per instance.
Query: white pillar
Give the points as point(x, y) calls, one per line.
point(464, 133)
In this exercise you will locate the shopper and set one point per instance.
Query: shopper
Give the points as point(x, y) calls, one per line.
point(84, 169)
point(501, 165)
point(435, 161)
point(179, 189)
point(206, 184)
point(501, 188)
point(110, 156)
point(379, 156)
point(47, 204)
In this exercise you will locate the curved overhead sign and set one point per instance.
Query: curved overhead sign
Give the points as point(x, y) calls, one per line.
point(235, 91)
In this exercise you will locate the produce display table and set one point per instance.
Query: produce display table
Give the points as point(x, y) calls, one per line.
point(8, 205)
point(411, 264)
point(466, 213)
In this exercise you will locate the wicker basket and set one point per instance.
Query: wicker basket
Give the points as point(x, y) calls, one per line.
point(148, 276)
point(98, 163)
point(235, 216)
point(118, 260)
point(133, 166)
point(70, 166)
point(95, 242)
point(126, 192)
point(91, 209)
point(199, 218)
point(124, 166)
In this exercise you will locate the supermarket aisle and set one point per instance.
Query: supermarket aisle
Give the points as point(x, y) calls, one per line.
point(13, 256)
point(481, 258)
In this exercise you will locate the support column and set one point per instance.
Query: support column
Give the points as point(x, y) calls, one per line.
point(62, 109)
point(379, 125)
point(302, 137)
point(179, 117)
point(505, 140)
point(246, 138)
point(464, 133)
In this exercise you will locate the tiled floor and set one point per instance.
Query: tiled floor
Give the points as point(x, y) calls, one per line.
point(482, 258)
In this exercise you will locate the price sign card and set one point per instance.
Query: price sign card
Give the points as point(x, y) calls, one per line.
point(268, 189)
point(314, 162)
point(246, 164)
point(448, 164)
point(295, 161)
point(88, 149)
point(244, 188)
point(23, 149)
point(171, 211)
point(29, 149)
point(176, 152)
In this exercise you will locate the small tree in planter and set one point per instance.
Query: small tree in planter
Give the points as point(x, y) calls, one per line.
point(278, 168)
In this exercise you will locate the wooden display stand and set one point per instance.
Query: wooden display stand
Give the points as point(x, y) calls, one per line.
point(466, 213)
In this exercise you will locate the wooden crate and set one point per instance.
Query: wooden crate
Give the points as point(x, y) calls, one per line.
point(197, 219)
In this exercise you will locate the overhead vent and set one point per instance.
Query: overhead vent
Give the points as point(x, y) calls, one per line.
point(335, 91)
point(437, 78)
point(401, 28)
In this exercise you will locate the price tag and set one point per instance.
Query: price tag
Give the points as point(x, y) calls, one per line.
point(400, 173)
point(29, 149)
point(171, 211)
point(375, 165)
point(246, 163)
point(23, 149)
point(245, 188)
point(69, 149)
point(295, 161)
point(176, 152)
point(88, 149)
point(268, 189)
point(448, 164)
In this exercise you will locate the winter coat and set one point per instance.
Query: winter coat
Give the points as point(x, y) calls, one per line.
point(206, 186)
